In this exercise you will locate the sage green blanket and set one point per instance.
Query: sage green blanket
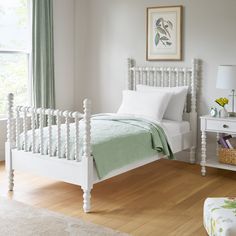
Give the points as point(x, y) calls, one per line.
point(116, 141)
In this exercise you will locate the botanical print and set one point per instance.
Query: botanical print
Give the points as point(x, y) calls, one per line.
point(163, 28)
point(230, 204)
point(220, 216)
point(164, 33)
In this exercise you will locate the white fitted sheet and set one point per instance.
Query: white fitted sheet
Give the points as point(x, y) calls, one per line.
point(174, 128)
point(177, 133)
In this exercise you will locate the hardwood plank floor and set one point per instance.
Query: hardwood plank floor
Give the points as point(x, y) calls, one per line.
point(162, 198)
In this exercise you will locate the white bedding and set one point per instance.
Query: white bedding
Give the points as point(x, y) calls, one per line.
point(174, 128)
point(178, 134)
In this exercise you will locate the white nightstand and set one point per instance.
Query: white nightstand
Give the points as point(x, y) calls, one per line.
point(215, 125)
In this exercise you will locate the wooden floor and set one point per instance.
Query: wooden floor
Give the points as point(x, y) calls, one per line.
point(162, 198)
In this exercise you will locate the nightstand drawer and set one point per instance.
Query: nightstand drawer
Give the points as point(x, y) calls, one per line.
point(225, 126)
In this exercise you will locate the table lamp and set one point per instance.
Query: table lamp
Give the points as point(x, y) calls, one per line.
point(226, 79)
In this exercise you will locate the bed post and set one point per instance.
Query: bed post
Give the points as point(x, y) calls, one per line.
point(193, 113)
point(87, 159)
point(9, 144)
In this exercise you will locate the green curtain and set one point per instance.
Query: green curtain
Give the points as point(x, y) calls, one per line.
point(43, 54)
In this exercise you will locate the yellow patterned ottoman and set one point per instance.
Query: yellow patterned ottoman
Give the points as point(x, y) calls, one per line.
point(219, 216)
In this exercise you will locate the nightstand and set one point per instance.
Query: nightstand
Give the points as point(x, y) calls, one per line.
point(215, 125)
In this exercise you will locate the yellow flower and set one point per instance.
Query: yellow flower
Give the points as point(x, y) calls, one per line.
point(222, 101)
point(225, 100)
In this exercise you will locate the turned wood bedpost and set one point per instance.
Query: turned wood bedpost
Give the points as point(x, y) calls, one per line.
point(18, 128)
point(33, 117)
point(41, 131)
point(77, 134)
point(87, 159)
point(50, 113)
point(25, 129)
point(67, 123)
point(10, 141)
point(193, 113)
point(58, 122)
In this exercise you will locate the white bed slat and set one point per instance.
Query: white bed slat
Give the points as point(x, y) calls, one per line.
point(185, 77)
point(152, 78)
point(177, 77)
point(17, 129)
point(169, 77)
point(140, 77)
point(135, 76)
point(155, 77)
point(25, 129)
point(147, 72)
point(67, 151)
point(50, 133)
point(58, 133)
point(41, 133)
point(162, 77)
point(33, 129)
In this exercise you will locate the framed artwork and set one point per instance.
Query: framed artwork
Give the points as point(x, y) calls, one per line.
point(164, 33)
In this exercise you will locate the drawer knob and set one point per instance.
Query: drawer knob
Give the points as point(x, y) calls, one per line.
point(225, 126)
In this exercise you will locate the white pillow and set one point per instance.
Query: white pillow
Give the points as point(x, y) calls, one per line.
point(147, 104)
point(175, 107)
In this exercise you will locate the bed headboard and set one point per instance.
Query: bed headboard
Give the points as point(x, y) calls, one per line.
point(170, 76)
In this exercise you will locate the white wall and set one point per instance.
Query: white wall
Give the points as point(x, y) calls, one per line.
point(64, 47)
point(81, 52)
point(116, 30)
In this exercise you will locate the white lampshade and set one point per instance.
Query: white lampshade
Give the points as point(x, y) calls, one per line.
point(226, 78)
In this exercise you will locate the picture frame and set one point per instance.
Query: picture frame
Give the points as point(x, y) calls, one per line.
point(164, 33)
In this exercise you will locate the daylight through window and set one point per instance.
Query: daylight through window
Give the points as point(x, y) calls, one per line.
point(14, 51)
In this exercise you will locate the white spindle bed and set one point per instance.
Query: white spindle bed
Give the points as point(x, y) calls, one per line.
point(82, 171)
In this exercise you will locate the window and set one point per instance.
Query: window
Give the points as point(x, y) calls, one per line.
point(15, 47)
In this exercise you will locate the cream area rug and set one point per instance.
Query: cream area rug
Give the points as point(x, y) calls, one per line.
point(18, 219)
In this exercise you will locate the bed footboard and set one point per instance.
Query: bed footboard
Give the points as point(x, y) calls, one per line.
point(22, 119)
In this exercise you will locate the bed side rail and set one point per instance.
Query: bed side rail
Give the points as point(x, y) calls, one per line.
point(30, 118)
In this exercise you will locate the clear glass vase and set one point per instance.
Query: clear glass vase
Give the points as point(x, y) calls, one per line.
point(223, 113)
